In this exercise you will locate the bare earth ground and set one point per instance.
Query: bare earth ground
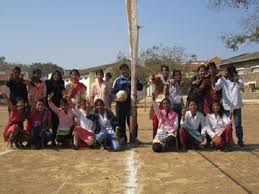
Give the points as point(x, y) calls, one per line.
point(136, 170)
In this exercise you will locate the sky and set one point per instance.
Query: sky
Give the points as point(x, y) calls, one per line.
point(86, 33)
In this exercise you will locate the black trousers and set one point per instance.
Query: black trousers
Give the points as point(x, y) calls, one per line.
point(123, 116)
point(55, 123)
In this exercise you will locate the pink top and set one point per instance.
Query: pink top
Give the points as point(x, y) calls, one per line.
point(66, 120)
point(167, 121)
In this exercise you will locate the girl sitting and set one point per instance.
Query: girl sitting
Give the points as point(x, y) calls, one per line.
point(192, 123)
point(218, 127)
point(40, 122)
point(66, 120)
point(85, 132)
point(17, 129)
point(106, 124)
point(167, 128)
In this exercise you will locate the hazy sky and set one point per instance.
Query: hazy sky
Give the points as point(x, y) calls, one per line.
point(83, 33)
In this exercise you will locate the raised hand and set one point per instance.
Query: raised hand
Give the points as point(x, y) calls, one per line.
point(50, 96)
point(3, 94)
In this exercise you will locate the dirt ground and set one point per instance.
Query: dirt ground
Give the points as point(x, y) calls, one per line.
point(135, 170)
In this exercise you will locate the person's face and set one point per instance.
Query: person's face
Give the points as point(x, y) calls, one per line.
point(125, 71)
point(215, 108)
point(107, 78)
point(37, 74)
point(193, 107)
point(212, 70)
point(166, 105)
point(56, 77)
point(165, 72)
point(99, 107)
point(85, 105)
point(99, 76)
point(64, 107)
point(202, 73)
point(20, 105)
point(178, 76)
point(39, 106)
point(74, 77)
point(16, 73)
point(226, 73)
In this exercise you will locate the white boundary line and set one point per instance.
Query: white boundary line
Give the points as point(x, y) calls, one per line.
point(61, 186)
point(132, 169)
point(5, 152)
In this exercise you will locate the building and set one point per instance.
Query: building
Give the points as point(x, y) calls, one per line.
point(247, 66)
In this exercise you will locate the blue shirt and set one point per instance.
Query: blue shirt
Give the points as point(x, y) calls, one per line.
point(123, 83)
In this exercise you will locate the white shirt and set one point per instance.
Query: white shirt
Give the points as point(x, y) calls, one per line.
point(230, 93)
point(85, 123)
point(175, 93)
point(215, 124)
point(193, 122)
point(105, 123)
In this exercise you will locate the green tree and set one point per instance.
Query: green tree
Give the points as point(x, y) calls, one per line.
point(249, 23)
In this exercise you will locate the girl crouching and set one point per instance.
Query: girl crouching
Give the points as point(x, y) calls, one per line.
point(218, 127)
point(40, 122)
point(17, 129)
point(167, 127)
point(84, 133)
point(106, 124)
point(66, 120)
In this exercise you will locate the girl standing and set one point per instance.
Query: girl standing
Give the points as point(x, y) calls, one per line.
point(99, 89)
point(75, 91)
point(231, 84)
point(37, 88)
point(56, 86)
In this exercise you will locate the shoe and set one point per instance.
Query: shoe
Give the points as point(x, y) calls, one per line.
point(184, 148)
point(96, 145)
point(241, 144)
point(75, 146)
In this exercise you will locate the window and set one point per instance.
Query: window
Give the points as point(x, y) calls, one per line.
point(255, 69)
point(240, 71)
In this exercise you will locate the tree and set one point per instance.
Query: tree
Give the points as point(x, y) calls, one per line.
point(45, 68)
point(153, 58)
point(249, 23)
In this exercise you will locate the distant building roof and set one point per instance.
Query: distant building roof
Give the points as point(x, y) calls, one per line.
point(217, 60)
point(240, 58)
point(5, 75)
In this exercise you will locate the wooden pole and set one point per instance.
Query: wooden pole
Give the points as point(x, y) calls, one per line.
point(133, 40)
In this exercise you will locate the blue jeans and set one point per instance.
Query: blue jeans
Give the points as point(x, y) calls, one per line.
point(104, 135)
point(238, 124)
point(38, 137)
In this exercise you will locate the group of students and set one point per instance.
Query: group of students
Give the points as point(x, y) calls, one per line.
point(213, 101)
point(43, 111)
point(48, 111)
